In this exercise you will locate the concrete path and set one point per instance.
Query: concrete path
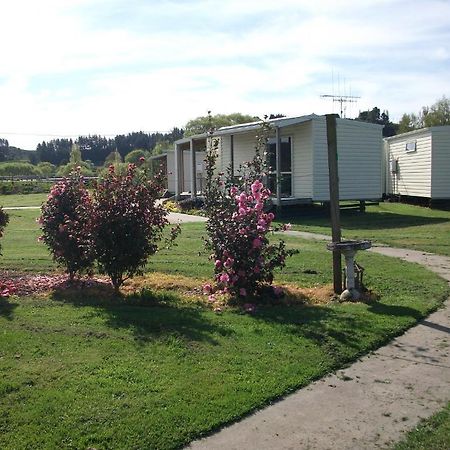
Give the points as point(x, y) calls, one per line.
point(184, 218)
point(370, 404)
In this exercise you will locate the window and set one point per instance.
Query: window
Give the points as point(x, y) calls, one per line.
point(285, 166)
point(411, 147)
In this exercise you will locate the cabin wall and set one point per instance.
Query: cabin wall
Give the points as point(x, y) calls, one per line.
point(186, 161)
point(359, 160)
point(440, 171)
point(413, 177)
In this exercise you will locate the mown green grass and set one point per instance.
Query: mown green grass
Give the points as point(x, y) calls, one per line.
point(431, 434)
point(22, 200)
point(82, 370)
point(397, 225)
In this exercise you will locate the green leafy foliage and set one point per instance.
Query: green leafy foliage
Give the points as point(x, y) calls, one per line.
point(204, 124)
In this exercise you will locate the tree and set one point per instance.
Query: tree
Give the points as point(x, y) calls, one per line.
point(114, 158)
point(203, 124)
point(4, 146)
point(429, 116)
point(437, 114)
point(408, 122)
point(135, 156)
point(76, 163)
point(47, 169)
point(381, 118)
point(162, 147)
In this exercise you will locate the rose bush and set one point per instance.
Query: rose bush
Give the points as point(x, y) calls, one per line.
point(127, 222)
point(238, 227)
point(66, 219)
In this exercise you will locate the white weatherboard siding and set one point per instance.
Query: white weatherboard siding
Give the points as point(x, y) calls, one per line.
point(440, 179)
point(244, 150)
point(359, 160)
point(186, 162)
point(414, 168)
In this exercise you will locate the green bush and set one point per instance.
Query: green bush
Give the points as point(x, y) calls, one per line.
point(24, 187)
point(18, 168)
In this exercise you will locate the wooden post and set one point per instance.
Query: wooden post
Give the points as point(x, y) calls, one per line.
point(334, 199)
point(278, 168)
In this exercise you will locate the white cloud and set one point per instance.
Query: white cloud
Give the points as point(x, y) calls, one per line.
point(254, 57)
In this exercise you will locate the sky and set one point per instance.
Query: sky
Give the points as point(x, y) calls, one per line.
point(78, 67)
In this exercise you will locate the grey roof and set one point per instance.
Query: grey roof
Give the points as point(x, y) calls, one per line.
point(250, 126)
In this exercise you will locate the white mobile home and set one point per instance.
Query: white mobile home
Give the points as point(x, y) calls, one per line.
point(166, 162)
point(303, 156)
point(418, 163)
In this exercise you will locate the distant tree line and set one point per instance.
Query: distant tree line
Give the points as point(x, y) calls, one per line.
point(96, 151)
point(96, 148)
point(429, 116)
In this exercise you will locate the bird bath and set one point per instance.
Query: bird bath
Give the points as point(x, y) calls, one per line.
point(349, 249)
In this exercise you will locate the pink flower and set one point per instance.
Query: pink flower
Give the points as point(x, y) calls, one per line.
point(218, 264)
point(207, 288)
point(287, 227)
point(233, 190)
point(242, 197)
point(270, 216)
point(142, 159)
point(256, 186)
point(224, 278)
point(212, 298)
point(243, 292)
point(228, 263)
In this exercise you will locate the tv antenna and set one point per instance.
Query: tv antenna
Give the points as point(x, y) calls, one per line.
point(341, 99)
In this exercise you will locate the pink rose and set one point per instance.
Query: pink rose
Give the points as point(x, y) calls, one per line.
point(224, 278)
point(228, 263)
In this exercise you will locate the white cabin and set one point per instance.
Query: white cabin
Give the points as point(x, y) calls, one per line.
point(418, 163)
point(303, 156)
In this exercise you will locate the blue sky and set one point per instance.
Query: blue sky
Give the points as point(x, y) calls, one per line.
point(114, 66)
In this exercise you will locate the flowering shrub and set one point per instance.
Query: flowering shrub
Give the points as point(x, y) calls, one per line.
point(127, 222)
point(238, 228)
point(66, 224)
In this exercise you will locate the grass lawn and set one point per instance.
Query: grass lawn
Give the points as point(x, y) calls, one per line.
point(395, 224)
point(82, 369)
point(431, 434)
point(22, 200)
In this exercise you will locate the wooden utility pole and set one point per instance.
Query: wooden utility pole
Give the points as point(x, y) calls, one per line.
point(334, 199)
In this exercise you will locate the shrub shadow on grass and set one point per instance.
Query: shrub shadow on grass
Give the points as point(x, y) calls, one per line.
point(150, 315)
point(7, 308)
point(340, 332)
point(354, 220)
point(395, 310)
